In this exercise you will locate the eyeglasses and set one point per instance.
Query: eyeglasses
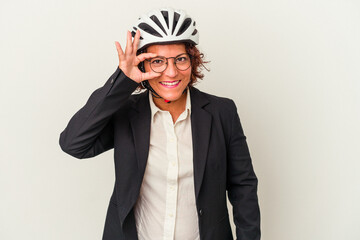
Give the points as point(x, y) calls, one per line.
point(159, 64)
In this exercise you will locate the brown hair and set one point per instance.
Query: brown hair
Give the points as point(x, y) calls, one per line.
point(197, 63)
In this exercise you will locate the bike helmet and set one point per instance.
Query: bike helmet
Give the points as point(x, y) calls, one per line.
point(164, 26)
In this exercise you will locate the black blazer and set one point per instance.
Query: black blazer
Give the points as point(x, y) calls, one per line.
point(113, 118)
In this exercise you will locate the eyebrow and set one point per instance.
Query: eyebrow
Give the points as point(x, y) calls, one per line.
point(172, 57)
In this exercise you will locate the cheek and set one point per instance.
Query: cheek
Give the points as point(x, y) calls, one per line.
point(153, 82)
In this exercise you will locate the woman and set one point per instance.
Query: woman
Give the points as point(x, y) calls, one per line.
point(177, 150)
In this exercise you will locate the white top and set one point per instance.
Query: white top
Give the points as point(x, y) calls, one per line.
point(166, 206)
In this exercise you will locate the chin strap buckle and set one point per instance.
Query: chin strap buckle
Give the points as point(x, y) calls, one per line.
point(167, 101)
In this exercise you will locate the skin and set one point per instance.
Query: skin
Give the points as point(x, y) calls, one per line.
point(128, 63)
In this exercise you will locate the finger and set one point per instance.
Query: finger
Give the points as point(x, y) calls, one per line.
point(136, 40)
point(150, 75)
point(119, 50)
point(143, 56)
point(128, 48)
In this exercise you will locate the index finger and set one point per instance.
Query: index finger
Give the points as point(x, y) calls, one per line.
point(143, 56)
point(136, 40)
point(128, 48)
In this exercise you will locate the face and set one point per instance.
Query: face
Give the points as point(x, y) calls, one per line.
point(178, 79)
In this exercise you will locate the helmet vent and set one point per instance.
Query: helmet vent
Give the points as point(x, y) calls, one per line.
point(166, 17)
point(156, 20)
point(194, 32)
point(184, 26)
point(133, 35)
point(147, 28)
point(176, 19)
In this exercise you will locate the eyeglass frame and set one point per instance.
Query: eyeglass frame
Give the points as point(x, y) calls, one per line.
point(167, 62)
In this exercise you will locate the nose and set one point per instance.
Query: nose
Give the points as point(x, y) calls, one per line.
point(171, 70)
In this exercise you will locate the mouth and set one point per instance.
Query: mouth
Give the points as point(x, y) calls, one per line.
point(170, 84)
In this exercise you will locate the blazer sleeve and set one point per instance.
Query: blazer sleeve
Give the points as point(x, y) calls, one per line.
point(90, 131)
point(242, 184)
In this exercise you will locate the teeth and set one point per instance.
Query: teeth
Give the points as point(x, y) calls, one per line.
point(170, 83)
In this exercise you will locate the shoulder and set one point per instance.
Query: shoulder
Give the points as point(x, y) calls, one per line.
point(222, 109)
point(219, 104)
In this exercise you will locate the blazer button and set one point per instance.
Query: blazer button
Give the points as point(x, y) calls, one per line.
point(201, 212)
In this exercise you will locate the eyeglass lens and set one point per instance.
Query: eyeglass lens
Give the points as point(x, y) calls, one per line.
point(159, 64)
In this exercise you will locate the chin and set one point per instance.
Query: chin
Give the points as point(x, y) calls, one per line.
point(171, 97)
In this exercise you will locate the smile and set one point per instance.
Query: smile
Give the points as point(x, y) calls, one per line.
point(170, 84)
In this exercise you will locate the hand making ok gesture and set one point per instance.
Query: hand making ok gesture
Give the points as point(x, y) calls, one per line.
point(128, 61)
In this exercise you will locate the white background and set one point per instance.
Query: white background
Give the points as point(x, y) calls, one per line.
point(292, 68)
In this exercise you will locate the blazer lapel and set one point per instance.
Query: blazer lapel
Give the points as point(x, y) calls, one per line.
point(140, 116)
point(140, 124)
point(201, 128)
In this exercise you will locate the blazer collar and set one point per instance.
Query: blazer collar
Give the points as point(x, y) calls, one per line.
point(201, 128)
point(201, 119)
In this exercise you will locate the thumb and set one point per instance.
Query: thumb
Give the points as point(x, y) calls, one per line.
point(150, 75)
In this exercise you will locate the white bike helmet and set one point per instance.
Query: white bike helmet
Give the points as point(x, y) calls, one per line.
point(164, 26)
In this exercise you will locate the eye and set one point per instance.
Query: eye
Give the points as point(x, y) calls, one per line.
point(182, 59)
point(157, 61)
